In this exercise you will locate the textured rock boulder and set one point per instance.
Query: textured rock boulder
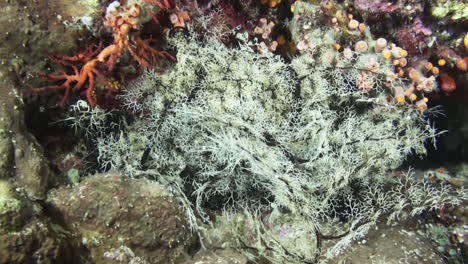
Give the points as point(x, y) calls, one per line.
point(401, 242)
point(26, 235)
point(6, 151)
point(29, 30)
point(220, 256)
point(22, 157)
point(121, 220)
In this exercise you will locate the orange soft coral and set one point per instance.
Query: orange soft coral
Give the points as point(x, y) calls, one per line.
point(122, 21)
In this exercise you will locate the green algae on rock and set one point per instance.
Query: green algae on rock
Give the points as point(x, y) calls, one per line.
point(456, 10)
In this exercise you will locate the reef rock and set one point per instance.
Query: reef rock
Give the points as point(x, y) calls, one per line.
point(123, 220)
point(21, 156)
point(26, 235)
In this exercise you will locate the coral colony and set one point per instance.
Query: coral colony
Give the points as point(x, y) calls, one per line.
point(124, 21)
point(294, 123)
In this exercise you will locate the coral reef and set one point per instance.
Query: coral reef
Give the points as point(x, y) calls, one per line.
point(284, 132)
point(285, 140)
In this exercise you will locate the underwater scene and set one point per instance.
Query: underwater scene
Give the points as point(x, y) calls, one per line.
point(233, 131)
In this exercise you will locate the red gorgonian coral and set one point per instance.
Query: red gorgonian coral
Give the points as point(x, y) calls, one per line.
point(125, 21)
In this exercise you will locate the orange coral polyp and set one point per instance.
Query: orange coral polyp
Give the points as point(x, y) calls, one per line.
point(403, 62)
point(273, 3)
point(400, 73)
point(462, 64)
point(413, 74)
point(412, 97)
point(362, 27)
point(428, 66)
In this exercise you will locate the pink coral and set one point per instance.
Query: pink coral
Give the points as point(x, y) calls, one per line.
point(410, 41)
point(375, 6)
point(415, 37)
point(420, 28)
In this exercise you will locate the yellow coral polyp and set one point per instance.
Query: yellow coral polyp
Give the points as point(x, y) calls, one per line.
point(115, 85)
point(465, 41)
point(361, 46)
point(293, 7)
point(421, 104)
point(441, 62)
point(400, 99)
point(353, 24)
point(403, 53)
point(386, 54)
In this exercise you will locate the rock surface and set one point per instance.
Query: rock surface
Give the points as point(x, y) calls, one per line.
point(118, 219)
point(29, 31)
point(403, 242)
point(26, 235)
point(32, 29)
point(22, 156)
